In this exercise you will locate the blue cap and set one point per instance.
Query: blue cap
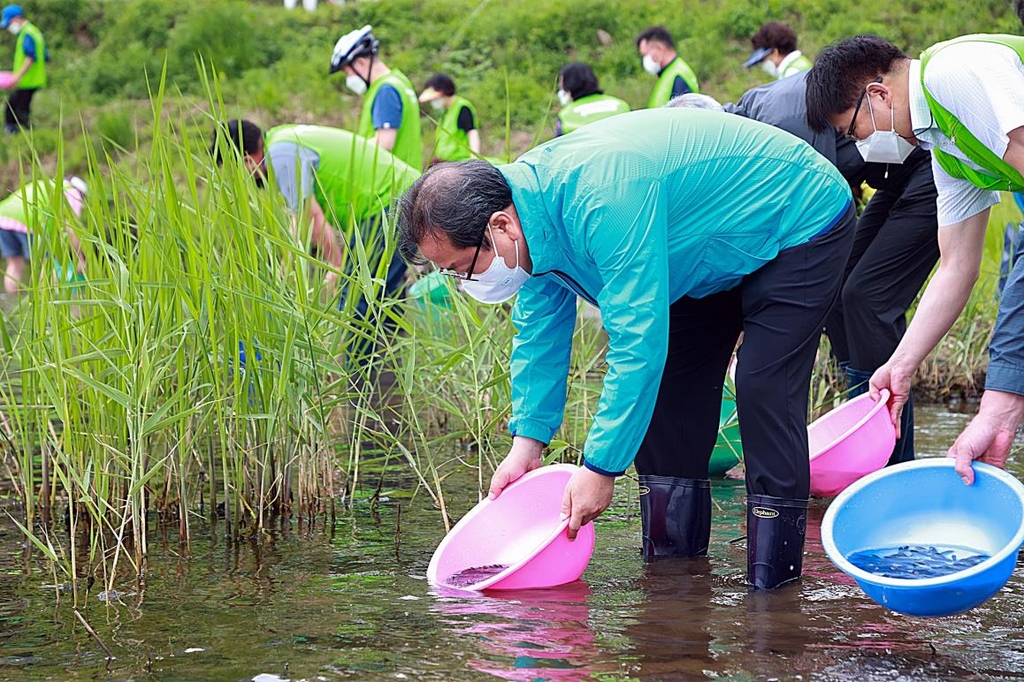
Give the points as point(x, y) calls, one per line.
point(10, 12)
point(757, 56)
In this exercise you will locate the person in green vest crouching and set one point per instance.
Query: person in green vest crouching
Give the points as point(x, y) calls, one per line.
point(457, 137)
point(391, 113)
point(659, 58)
point(29, 72)
point(775, 50)
point(34, 209)
point(963, 100)
point(341, 182)
point(582, 99)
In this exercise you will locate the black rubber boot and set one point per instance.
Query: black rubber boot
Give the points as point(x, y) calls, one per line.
point(857, 382)
point(775, 540)
point(676, 516)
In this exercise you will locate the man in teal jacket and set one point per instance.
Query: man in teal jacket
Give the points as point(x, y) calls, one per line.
point(684, 227)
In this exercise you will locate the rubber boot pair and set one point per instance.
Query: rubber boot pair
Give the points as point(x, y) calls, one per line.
point(857, 382)
point(676, 516)
point(775, 540)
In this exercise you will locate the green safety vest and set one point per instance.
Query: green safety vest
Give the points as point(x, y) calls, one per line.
point(32, 206)
point(355, 178)
point(663, 88)
point(451, 143)
point(584, 110)
point(35, 77)
point(801, 63)
point(997, 174)
point(408, 142)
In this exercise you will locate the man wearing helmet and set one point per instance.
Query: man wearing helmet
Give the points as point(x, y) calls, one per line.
point(391, 112)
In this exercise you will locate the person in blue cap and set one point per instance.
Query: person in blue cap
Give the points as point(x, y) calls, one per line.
point(29, 71)
point(775, 50)
point(630, 213)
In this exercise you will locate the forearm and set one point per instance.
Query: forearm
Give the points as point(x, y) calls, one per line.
point(386, 137)
point(1003, 408)
point(29, 61)
point(76, 246)
point(942, 302)
point(960, 248)
point(474, 141)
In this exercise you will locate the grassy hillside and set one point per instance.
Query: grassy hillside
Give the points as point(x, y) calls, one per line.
point(504, 56)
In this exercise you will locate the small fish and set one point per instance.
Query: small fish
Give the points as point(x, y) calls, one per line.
point(474, 575)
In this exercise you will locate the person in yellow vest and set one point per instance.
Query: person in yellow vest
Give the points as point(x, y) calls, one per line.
point(391, 113)
point(31, 209)
point(457, 137)
point(775, 50)
point(659, 58)
point(964, 101)
point(582, 99)
point(29, 72)
point(335, 178)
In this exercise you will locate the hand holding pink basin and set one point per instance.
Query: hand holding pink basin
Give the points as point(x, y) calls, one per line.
point(516, 541)
point(849, 442)
point(6, 79)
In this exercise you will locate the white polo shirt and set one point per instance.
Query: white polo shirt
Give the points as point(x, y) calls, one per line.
point(982, 84)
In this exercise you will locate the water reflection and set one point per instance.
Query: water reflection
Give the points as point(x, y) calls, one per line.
point(670, 626)
point(524, 634)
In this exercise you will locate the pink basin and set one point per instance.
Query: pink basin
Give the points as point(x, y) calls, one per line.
point(849, 442)
point(520, 532)
point(6, 79)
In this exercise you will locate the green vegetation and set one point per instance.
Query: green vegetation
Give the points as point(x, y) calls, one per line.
point(123, 399)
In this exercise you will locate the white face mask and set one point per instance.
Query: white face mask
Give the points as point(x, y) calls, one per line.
point(884, 146)
point(356, 84)
point(498, 282)
point(564, 98)
point(650, 66)
point(437, 105)
point(768, 66)
point(14, 30)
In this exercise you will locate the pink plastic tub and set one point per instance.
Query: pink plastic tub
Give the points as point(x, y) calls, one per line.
point(515, 542)
point(849, 442)
point(6, 79)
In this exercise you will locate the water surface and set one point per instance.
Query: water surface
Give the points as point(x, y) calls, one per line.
point(355, 605)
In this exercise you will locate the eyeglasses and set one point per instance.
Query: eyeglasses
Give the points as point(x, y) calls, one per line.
point(465, 276)
point(856, 110)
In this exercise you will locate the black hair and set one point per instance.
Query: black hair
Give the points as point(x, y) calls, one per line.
point(775, 35)
point(442, 83)
point(658, 34)
point(841, 71)
point(453, 199)
point(245, 135)
point(579, 80)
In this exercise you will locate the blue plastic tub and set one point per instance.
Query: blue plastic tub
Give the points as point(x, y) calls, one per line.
point(925, 503)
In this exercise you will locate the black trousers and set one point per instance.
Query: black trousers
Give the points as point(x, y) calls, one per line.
point(18, 109)
point(894, 250)
point(780, 309)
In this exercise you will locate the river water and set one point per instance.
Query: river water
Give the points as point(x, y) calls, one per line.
point(355, 605)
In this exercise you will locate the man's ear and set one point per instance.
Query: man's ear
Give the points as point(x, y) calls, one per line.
point(507, 221)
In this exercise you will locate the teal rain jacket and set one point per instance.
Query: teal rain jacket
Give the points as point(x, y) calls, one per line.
point(632, 213)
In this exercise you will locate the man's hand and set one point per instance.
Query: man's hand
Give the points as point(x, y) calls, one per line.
point(990, 434)
point(896, 379)
point(524, 456)
point(586, 496)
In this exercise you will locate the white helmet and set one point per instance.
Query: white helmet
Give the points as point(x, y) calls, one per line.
point(358, 43)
